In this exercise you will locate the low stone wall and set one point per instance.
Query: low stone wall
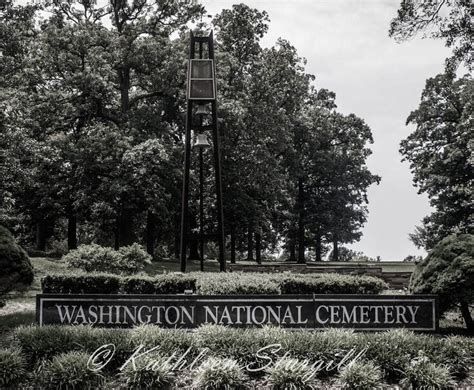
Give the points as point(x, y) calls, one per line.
point(396, 280)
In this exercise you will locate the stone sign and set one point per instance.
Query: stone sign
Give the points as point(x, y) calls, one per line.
point(361, 312)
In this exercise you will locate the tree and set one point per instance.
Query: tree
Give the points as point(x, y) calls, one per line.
point(337, 175)
point(440, 155)
point(448, 271)
point(449, 20)
point(17, 271)
point(81, 71)
point(256, 91)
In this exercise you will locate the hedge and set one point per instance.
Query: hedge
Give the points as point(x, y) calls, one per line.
point(331, 284)
point(213, 284)
point(395, 352)
point(236, 283)
point(82, 283)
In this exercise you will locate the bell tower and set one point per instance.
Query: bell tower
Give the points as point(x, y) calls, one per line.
point(201, 115)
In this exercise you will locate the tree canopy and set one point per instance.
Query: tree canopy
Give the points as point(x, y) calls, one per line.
point(440, 155)
point(450, 20)
point(92, 130)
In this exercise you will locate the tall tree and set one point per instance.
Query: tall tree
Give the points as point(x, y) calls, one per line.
point(440, 155)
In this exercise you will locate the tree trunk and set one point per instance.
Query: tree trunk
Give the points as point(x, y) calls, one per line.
point(193, 241)
point(41, 235)
point(250, 243)
point(116, 234)
point(301, 228)
point(335, 250)
point(150, 233)
point(467, 316)
point(258, 248)
point(71, 231)
point(232, 245)
point(317, 247)
point(126, 236)
point(193, 249)
point(176, 242)
point(292, 251)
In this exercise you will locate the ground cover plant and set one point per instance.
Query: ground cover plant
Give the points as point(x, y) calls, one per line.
point(223, 356)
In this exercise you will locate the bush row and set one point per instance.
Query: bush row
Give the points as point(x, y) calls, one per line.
point(213, 283)
point(229, 356)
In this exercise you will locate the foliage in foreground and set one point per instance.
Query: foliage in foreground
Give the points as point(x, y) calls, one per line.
point(421, 373)
point(152, 372)
point(360, 376)
point(290, 373)
point(13, 368)
point(219, 373)
point(396, 353)
point(69, 371)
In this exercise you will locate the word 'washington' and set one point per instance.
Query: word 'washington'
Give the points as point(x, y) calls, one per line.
point(235, 315)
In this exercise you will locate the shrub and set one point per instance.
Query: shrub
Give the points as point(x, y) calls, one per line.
point(174, 283)
point(330, 284)
point(218, 373)
point(40, 343)
point(236, 283)
point(150, 372)
point(210, 284)
point(421, 373)
point(17, 271)
point(393, 350)
point(448, 271)
point(331, 344)
point(288, 373)
point(360, 376)
point(456, 352)
point(101, 283)
point(168, 341)
point(133, 258)
point(12, 368)
point(95, 258)
point(81, 283)
point(238, 344)
point(69, 371)
point(138, 285)
point(43, 342)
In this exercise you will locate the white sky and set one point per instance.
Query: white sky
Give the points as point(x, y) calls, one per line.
point(348, 49)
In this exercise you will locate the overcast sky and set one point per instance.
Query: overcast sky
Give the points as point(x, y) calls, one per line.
point(348, 49)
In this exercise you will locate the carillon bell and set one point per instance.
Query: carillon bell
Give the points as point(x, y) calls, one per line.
point(201, 141)
point(202, 110)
